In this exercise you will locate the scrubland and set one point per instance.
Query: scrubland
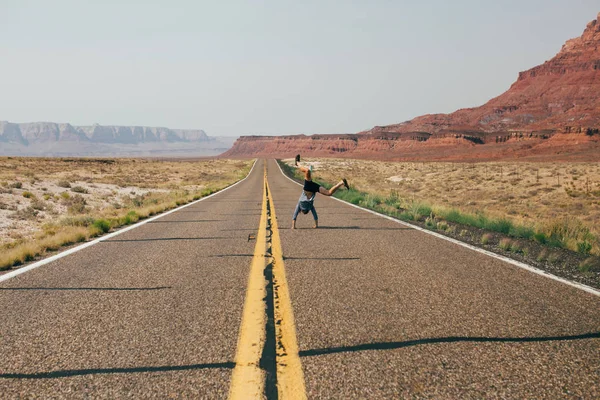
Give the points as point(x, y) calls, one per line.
point(47, 203)
point(557, 204)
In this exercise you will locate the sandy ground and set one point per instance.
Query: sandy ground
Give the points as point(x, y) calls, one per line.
point(35, 192)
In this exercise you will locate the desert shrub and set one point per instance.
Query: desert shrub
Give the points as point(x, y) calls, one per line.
point(77, 221)
point(372, 201)
point(28, 195)
point(584, 247)
point(38, 204)
point(485, 238)
point(505, 244)
point(47, 196)
point(464, 233)
point(65, 195)
point(417, 210)
point(102, 225)
point(540, 237)
point(79, 189)
point(207, 191)
point(16, 185)
point(28, 213)
point(393, 199)
point(591, 264)
point(543, 256)
point(442, 225)
point(75, 204)
point(520, 231)
point(351, 196)
point(430, 222)
point(129, 218)
point(561, 232)
point(516, 247)
point(498, 225)
point(64, 184)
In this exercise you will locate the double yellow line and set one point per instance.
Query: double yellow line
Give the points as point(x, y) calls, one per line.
point(248, 379)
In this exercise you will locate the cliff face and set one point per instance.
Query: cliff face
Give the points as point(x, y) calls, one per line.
point(558, 98)
point(560, 95)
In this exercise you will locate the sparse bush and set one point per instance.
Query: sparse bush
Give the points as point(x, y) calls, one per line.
point(430, 222)
point(130, 218)
point(540, 238)
point(77, 221)
point(75, 204)
point(102, 224)
point(28, 195)
point(393, 199)
point(464, 233)
point(591, 264)
point(543, 256)
point(584, 247)
point(485, 238)
point(79, 189)
point(505, 244)
point(442, 225)
point(47, 196)
point(417, 210)
point(27, 213)
point(38, 204)
point(65, 195)
point(516, 247)
point(16, 185)
point(64, 184)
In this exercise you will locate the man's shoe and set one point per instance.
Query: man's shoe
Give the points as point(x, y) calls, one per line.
point(346, 183)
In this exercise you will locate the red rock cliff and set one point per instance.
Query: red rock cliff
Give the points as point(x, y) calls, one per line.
point(560, 96)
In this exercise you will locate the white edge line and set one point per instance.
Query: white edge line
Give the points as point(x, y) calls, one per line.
point(65, 253)
point(519, 264)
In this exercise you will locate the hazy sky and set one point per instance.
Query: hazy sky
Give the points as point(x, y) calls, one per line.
point(269, 67)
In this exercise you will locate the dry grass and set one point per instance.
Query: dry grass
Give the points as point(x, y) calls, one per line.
point(559, 200)
point(38, 214)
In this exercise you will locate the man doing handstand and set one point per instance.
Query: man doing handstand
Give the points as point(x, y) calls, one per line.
point(309, 191)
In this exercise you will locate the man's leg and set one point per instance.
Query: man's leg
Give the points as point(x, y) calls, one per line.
point(306, 172)
point(331, 191)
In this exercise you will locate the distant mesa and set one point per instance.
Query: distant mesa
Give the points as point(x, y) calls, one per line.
point(36, 132)
point(63, 139)
point(552, 110)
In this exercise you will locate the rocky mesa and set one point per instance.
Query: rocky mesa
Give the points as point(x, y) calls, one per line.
point(38, 132)
point(65, 140)
point(552, 110)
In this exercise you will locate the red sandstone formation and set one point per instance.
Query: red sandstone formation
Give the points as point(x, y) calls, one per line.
point(552, 110)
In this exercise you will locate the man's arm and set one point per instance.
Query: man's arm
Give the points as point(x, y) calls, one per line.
point(296, 212)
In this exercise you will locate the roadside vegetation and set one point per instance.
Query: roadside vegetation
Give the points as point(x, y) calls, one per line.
point(46, 204)
point(519, 210)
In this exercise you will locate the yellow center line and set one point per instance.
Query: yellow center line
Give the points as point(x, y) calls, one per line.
point(248, 380)
point(290, 378)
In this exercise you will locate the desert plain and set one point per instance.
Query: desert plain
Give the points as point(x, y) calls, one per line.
point(47, 203)
point(546, 196)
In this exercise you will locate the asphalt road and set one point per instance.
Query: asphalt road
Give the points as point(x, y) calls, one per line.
point(380, 311)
